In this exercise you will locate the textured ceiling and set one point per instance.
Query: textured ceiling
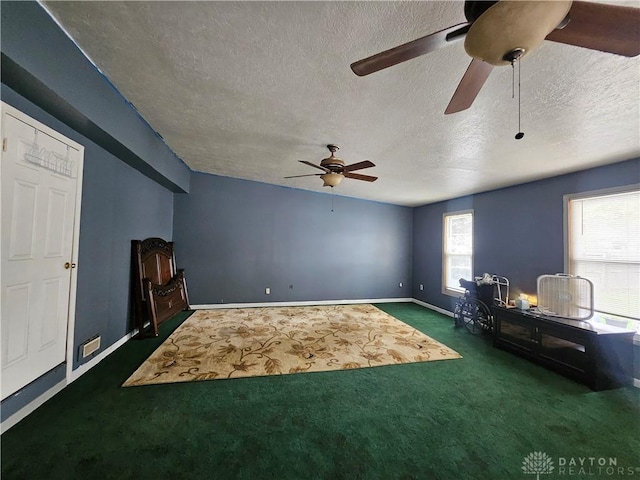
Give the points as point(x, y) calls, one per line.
point(246, 89)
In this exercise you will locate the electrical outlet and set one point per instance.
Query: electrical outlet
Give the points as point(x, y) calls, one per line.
point(421, 287)
point(267, 291)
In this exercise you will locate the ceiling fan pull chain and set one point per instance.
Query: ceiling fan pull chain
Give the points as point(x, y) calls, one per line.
point(520, 134)
point(332, 199)
point(513, 79)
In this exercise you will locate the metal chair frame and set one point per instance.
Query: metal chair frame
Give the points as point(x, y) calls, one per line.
point(472, 312)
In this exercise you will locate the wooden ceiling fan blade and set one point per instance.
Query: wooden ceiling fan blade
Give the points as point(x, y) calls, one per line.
point(469, 87)
point(359, 176)
point(308, 175)
point(326, 170)
point(410, 50)
point(358, 166)
point(598, 26)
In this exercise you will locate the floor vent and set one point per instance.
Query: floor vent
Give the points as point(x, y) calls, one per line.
point(90, 346)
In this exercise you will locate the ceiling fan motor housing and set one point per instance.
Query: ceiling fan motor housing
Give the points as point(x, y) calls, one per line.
point(474, 8)
point(508, 27)
point(333, 163)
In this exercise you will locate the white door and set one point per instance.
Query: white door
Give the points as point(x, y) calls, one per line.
point(40, 182)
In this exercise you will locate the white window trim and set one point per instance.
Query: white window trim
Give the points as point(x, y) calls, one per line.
point(565, 220)
point(576, 196)
point(453, 292)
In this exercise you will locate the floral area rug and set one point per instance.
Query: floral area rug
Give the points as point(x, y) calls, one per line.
point(247, 342)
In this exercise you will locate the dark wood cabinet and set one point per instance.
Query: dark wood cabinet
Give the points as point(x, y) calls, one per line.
point(598, 355)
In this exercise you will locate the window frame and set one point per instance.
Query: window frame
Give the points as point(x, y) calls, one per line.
point(567, 221)
point(454, 291)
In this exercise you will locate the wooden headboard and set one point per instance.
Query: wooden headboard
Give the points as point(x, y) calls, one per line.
point(156, 260)
point(159, 289)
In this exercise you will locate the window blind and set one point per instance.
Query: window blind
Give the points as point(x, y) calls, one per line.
point(604, 247)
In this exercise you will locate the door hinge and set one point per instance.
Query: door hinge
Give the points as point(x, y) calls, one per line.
point(4, 144)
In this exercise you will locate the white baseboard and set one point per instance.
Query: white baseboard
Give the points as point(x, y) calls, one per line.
point(85, 367)
point(298, 304)
point(75, 374)
point(32, 405)
point(433, 307)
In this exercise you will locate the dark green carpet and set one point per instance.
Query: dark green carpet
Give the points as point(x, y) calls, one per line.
point(474, 418)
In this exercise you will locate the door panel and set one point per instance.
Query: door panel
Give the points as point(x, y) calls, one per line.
point(39, 184)
point(54, 307)
point(15, 323)
point(55, 236)
point(22, 219)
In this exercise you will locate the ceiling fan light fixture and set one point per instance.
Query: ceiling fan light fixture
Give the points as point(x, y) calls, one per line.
point(335, 170)
point(331, 179)
point(508, 26)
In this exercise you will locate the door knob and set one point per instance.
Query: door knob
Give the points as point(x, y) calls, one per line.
point(69, 265)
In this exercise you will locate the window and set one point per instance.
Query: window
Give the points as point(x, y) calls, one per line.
point(604, 247)
point(457, 257)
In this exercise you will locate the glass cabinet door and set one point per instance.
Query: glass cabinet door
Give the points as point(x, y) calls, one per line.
point(571, 352)
point(516, 332)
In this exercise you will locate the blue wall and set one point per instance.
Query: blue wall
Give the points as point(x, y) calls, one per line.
point(118, 204)
point(235, 237)
point(129, 173)
point(41, 63)
point(518, 231)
